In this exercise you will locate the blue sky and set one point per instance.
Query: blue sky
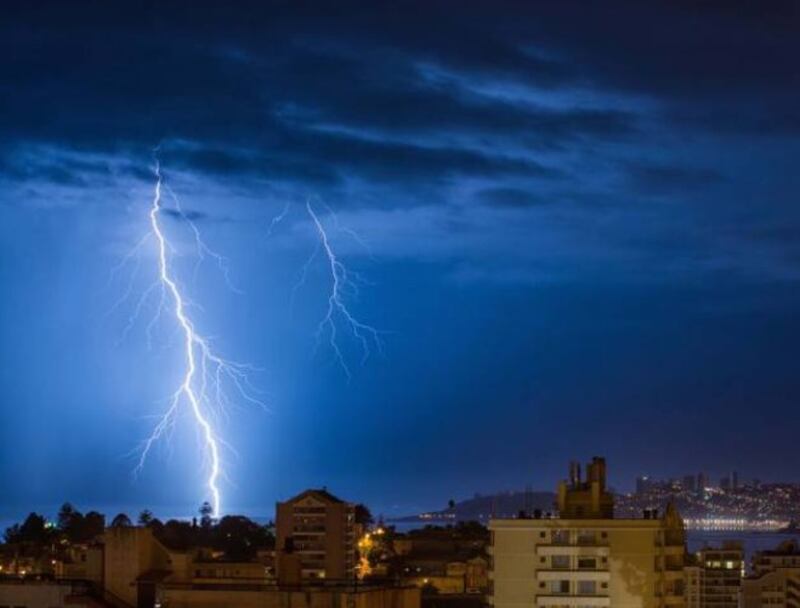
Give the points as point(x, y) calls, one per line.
point(577, 228)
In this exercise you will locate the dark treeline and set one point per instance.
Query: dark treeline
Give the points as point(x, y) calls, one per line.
point(461, 530)
point(237, 537)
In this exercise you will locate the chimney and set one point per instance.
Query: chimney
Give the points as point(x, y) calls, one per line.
point(597, 471)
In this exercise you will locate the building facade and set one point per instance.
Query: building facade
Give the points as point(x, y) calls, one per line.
point(775, 580)
point(714, 578)
point(320, 530)
point(585, 557)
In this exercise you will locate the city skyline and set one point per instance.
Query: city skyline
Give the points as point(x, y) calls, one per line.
point(399, 512)
point(573, 228)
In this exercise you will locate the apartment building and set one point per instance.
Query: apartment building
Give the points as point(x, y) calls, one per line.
point(320, 530)
point(584, 556)
point(775, 580)
point(714, 577)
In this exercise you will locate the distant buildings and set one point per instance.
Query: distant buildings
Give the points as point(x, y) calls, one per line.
point(749, 506)
point(688, 483)
point(320, 530)
point(714, 577)
point(585, 556)
point(643, 484)
point(448, 561)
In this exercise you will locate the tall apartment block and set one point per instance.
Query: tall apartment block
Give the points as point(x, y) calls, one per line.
point(317, 530)
point(585, 557)
point(714, 577)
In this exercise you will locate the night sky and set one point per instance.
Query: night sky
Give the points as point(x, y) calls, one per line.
point(579, 232)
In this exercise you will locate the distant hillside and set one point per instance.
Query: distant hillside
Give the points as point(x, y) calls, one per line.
point(482, 507)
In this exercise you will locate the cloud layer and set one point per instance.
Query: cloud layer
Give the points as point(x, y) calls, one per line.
point(649, 129)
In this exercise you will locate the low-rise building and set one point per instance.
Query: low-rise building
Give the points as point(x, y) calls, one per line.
point(81, 562)
point(136, 570)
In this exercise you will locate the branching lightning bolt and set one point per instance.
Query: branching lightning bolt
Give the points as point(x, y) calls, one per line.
point(342, 282)
point(205, 371)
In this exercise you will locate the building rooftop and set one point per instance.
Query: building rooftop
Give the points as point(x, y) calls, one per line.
point(787, 547)
point(321, 494)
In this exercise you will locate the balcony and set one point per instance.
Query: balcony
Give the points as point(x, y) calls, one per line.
point(602, 576)
point(591, 540)
point(673, 574)
point(572, 600)
point(575, 550)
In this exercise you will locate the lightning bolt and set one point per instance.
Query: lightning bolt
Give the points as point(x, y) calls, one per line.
point(278, 219)
point(343, 283)
point(205, 371)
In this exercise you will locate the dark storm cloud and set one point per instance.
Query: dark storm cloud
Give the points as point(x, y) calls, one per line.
point(670, 179)
point(261, 75)
point(50, 166)
point(514, 198)
point(408, 101)
point(41, 173)
point(324, 158)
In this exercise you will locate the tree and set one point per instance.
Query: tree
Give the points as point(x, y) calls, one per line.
point(206, 511)
point(91, 526)
point(145, 517)
point(121, 521)
point(177, 535)
point(33, 537)
point(33, 529)
point(363, 515)
point(240, 538)
point(68, 517)
point(12, 534)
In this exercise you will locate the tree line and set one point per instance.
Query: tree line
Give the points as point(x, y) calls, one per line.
point(237, 537)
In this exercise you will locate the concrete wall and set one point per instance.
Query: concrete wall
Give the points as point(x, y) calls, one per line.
point(33, 594)
point(129, 553)
point(312, 598)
